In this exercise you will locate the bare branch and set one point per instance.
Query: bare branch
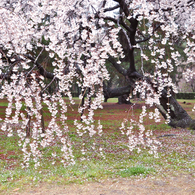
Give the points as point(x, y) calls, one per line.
point(42, 71)
point(121, 22)
point(111, 8)
point(6, 76)
point(119, 68)
point(147, 38)
point(123, 6)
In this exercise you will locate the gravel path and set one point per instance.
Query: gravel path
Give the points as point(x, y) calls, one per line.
point(179, 185)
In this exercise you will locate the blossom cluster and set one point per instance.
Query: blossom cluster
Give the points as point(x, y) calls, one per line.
point(139, 137)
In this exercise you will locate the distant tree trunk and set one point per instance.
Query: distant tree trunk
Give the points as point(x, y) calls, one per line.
point(105, 99)
point(123, 99)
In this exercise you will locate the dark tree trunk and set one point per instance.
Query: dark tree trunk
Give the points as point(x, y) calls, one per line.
point(116, 92)
point(178, 116)
point(123, 99)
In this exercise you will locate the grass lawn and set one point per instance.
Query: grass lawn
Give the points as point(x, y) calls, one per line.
point(176, 155)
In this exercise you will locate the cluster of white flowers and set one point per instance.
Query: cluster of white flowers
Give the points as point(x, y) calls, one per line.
point(188, 75)
point(139, 137)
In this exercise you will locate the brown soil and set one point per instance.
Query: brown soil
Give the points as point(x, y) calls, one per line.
point(179, 185)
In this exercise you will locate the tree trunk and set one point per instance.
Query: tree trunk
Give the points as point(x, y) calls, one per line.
point(123, 99)
point(116, 92)
point(178, 116)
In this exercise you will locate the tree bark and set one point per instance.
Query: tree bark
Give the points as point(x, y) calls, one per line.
point(116, 92)
point(178, 116)
point(123, 99)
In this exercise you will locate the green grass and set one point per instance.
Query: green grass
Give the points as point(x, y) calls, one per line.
point(112, 100)
point(138, 170)
point(187, 101)
point(163, 127)
point(3, 103)
point(118, 163)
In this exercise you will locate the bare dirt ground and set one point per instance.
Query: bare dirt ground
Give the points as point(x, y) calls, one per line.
point(178, 185)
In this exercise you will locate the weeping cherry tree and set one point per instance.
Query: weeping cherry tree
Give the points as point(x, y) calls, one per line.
point(80, 37)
